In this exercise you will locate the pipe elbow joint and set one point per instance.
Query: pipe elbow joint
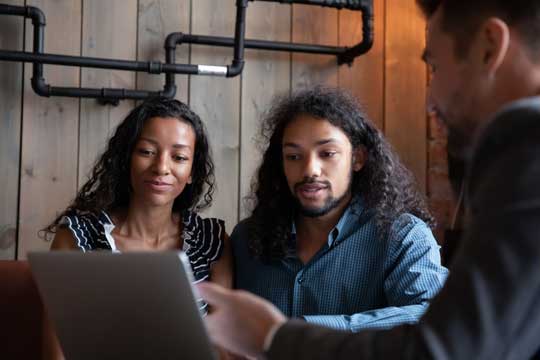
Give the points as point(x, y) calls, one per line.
point(235, 69)
point(173, 39)
point(168, 91)
point(40, 87)
point(37, 16)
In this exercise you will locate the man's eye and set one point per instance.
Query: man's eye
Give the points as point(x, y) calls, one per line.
point(328, 153)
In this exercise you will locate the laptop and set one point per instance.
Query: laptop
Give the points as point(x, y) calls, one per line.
point(137, 305)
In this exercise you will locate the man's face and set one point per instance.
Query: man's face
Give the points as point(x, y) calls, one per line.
point(318, 163)
point(456, 87)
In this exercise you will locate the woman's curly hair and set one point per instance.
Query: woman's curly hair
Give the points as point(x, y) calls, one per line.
point(109, 186)
point(386, 186)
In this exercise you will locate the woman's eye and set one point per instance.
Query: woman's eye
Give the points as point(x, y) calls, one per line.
point(292, 156)
point(146, 152)
point(181, 158)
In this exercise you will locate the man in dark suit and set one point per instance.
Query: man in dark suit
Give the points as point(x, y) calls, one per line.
point(485, 61)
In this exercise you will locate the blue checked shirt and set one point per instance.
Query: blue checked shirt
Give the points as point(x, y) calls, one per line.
point(356, 281)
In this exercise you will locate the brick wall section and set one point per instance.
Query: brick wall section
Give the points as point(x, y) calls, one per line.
point(439, 191)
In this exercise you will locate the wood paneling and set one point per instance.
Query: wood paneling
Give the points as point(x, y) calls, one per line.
point(11, 37)
point(106, 37)
point(157, 19)
point(405, 86)
point(265, 74)
point(364, 78)
point(314, 25)
point(217, 101)
point(50, 128)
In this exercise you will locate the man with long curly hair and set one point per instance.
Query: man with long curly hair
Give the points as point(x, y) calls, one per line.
point(338, 235)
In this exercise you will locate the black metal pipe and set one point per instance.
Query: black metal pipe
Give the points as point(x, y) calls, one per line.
point(259, 44)
point(239, 43)
point(104, 95)
point(37, 81)
point(37, 16)
point(99, 63)
point(239, 39)
point(169, 90)
point(12, 10)
point(336, 4)
point(367, 38)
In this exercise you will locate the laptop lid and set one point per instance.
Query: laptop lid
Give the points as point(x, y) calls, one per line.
point(136, 305)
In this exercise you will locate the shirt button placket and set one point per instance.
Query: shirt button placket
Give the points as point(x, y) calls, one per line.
point(297, 301)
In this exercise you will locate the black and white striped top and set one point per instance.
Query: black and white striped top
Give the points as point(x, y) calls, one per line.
point(203, 238)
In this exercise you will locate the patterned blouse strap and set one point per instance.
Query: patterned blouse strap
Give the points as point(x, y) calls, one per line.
point(87, 229)
point(203, 242)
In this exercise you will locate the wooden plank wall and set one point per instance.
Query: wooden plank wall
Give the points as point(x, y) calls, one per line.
point(157, 19)
point(217, 101)
point(50, 128)
point(11, 74)
point(105, 37)
point(405, 122)
point(42, 166)
point(265, 74)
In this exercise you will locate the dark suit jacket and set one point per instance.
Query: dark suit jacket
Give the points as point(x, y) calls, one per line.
point(490, 305)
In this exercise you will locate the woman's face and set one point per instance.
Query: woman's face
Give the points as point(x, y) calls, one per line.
point(161, 161)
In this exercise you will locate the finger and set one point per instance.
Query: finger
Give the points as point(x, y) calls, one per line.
point(209, 324)
point(215, 332)
point(212, 293)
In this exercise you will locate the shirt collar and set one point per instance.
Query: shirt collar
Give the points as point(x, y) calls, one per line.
point(346, 222)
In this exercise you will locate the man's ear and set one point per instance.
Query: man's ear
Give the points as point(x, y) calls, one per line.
point(494, 38)
point(359, 158)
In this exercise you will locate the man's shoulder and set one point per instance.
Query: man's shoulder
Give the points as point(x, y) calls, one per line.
point(405, 223)
point(514, 126)
point(240, 231)
point(504, 168)
point(515, 122)
point(408, 229)
point(530, 104)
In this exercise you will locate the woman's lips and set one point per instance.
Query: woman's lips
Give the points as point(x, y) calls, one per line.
point(158, 186)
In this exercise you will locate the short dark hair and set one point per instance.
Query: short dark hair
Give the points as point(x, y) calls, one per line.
point(109, 186)
point(463, 17)
point(386, 186)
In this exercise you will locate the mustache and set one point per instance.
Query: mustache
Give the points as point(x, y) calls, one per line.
point(311, 181)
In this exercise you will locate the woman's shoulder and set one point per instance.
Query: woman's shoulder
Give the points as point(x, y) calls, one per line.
point(203, 242)
point(87, 228)
point(85, 221)
point(78, 216)
point(203, 233)
point(205, 226)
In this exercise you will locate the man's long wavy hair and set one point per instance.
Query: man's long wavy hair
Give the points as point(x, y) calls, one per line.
point(386, 186)
point(109, 186)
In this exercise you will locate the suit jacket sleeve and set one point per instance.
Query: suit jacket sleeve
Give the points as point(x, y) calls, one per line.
point(490, 305)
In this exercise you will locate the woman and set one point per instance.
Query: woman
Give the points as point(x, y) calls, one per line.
point(144, 192)
point(143, 195)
